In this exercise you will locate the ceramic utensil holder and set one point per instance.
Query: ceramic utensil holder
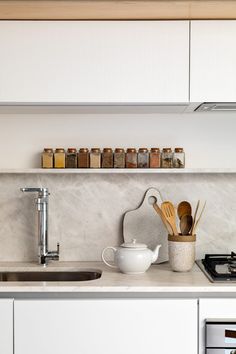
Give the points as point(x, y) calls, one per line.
point(181, 252)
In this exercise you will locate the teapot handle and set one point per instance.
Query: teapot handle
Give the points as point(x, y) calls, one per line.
point(103, 256)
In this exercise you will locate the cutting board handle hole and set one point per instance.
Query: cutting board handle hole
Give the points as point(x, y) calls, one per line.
point(152, 200)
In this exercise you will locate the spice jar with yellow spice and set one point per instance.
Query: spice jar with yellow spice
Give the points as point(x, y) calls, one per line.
point(107, 158)
point(83, 158)
point(119, 158)
point(71, 158)
point(59, 158)
point(131, 160)
point(47, 158)
point(95, 158)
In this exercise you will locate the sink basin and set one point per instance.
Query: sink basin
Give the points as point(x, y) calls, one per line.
point(39, 276)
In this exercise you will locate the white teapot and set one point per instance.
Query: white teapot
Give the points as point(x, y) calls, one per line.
point(132, 257)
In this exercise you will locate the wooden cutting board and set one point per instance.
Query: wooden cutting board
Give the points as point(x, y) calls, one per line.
point(145, 225)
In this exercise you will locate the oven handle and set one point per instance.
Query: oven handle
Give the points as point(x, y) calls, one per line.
point(221, 351)
point(230, 333)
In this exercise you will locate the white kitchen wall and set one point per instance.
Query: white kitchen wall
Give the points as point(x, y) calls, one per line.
point(208, 139)
point(86, 211)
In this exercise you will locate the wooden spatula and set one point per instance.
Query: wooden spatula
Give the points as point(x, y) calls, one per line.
point(169, 213)
point(162, 216)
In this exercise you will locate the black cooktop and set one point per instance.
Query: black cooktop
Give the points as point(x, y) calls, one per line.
point(219, 267)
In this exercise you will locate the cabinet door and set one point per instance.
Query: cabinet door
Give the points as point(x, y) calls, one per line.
point(124, 326)
point(213, 58)
point(6, 326)
point(94, 61)
point(214, 309)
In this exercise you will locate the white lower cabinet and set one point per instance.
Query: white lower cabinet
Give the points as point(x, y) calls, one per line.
point(224, 309)
point(105, 326)
point(6, 326)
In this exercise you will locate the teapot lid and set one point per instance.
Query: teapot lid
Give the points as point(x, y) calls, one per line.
point(133, 244)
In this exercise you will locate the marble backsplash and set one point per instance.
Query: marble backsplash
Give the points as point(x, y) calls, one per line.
point(86, 211)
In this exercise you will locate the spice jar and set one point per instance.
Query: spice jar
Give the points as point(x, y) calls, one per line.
point(95, 158)
point(143, 158)
point(71, 158)
point(119, 158)
point(179, 158)
point(167, 158)
point(83, 158)
point(59, 158)
point(107, 158)
point(47, 158)
point(155, 158)
point(131, 158)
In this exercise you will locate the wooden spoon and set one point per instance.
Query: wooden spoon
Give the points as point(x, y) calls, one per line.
point(169, 213)
point(162, 216)
point(184, 208)
point(186, 223)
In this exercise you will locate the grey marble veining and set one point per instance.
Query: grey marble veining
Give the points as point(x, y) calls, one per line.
point(86, 211)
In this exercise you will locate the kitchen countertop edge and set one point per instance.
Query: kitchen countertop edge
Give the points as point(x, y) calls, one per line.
point(159, 279)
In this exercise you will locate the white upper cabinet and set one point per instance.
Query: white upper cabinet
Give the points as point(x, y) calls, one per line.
point(6, 326)
point(213, 61)
point(94, 61)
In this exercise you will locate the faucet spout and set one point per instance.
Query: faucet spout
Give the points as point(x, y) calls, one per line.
point(42, 208)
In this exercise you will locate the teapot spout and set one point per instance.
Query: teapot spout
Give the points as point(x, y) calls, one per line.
point(156, 253)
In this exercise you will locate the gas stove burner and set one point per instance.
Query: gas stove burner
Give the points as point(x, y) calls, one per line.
point(219, 267)
point(232, 268)
point(232, 263)
point(232, 257)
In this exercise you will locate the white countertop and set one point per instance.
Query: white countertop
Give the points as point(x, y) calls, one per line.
point(158, 279)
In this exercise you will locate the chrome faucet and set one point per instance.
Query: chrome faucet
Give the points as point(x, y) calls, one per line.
point(42, 207)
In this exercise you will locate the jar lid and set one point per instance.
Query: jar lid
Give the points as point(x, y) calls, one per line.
point(179, 149)
point(95, 150)
point(131, 150)
point(60, 150)
point(107, 150)
point(143, 150)
point(71, 150)
point(83, 150)
point(167, 150)
point(119, 150)
point(133, 244)
point(48, 150)
point(155, 150)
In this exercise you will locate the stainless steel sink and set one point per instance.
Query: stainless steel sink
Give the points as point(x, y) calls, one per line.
point(59, 276)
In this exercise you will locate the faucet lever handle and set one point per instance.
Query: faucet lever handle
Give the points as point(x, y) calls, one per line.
point(42, 191)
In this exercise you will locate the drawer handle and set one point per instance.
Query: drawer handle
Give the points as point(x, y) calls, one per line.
point(230, 333)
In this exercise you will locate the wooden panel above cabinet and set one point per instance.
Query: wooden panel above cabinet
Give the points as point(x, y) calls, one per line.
point(116, 10)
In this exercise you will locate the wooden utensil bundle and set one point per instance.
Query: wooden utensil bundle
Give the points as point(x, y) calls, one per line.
point(188, 223)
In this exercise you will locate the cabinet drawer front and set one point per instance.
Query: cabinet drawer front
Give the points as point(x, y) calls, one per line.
point(221, 335)
point(105, 326)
